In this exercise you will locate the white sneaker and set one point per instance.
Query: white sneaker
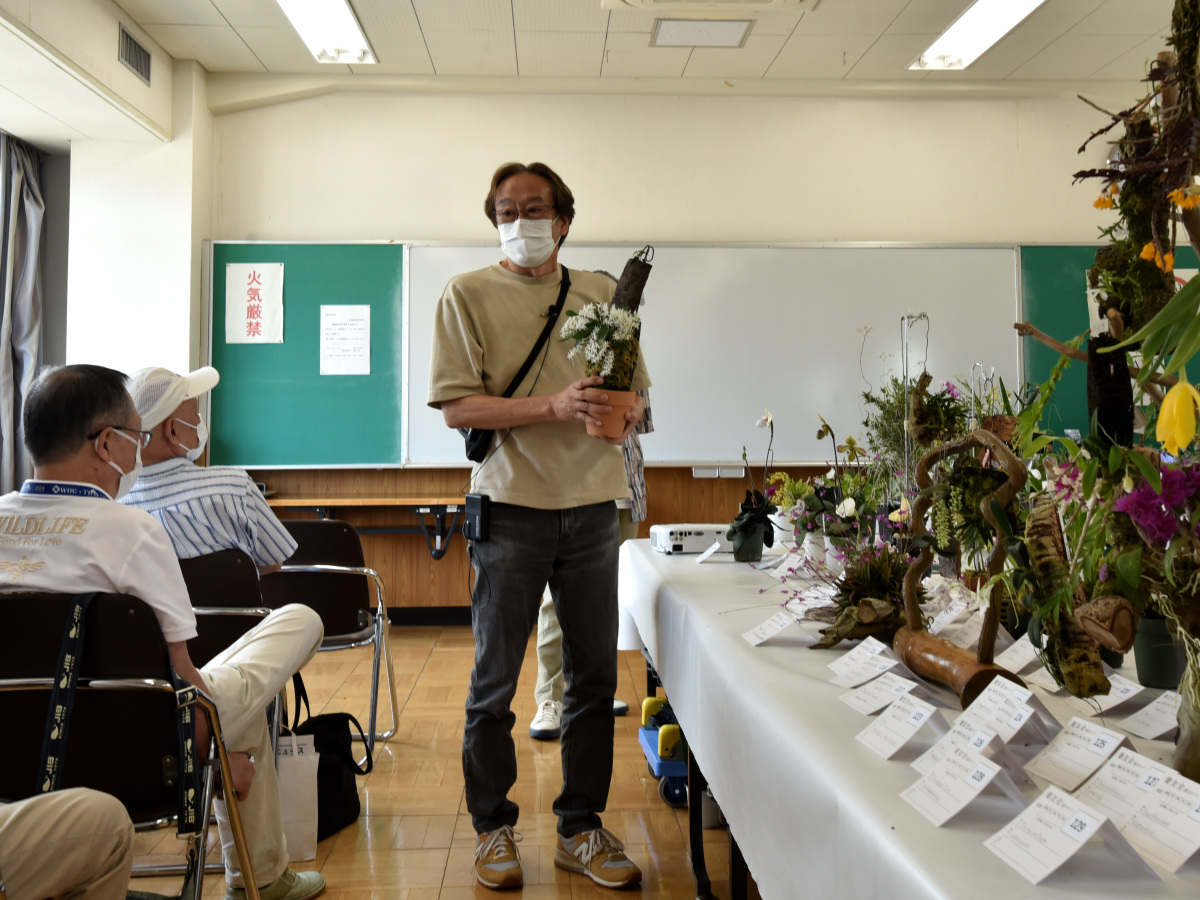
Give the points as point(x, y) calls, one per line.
point(547, 724)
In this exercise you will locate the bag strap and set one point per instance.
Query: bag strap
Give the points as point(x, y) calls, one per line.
point(62, 696)
point(338, 751)
point(62, 702)
point(552, 318)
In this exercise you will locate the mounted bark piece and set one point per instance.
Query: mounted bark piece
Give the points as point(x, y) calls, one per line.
point(1072, 654)
point(1111, 620)
point(1109, 390)
point(632, 282)
point(933, 657)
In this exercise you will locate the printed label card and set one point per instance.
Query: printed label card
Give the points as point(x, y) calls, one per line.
point(769, 628)
point(970, 732)
point(1156, 808)
point(898, 724)
point(1019, 657)
point(1051, 830)
point(952, 611)
point(1008, 707)
point(967, 634)
point(1121, 689)
point(875, 695)
point(1076, 752)
point(868, 660)
point(1043, 679)
point(814, 597)
point(1157, 720)
point(959, 777)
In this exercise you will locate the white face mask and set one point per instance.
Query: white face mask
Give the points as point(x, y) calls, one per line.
point(527, 242)
point(201, 437)
point(127, 478)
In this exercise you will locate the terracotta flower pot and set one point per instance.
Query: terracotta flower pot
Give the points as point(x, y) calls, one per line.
point(613, 423)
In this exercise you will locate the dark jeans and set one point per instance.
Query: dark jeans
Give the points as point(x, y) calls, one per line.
point(575, 552)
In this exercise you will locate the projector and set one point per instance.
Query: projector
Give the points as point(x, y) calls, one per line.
point(688, 538)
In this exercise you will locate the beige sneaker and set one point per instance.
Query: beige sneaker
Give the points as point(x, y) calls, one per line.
point(497, 863)
point(599, 855)
point(291, 885)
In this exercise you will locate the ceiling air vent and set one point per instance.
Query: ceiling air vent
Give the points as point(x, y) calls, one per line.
point(703, 8)
point(135, 57)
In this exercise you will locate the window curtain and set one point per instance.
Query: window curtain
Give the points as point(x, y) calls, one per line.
point(21, 211)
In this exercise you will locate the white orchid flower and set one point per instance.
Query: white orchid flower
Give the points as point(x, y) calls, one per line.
point(766, 420)
point(831, 474)
point(846, 508)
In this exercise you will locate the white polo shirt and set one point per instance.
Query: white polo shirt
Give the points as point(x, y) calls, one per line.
point(72, 538)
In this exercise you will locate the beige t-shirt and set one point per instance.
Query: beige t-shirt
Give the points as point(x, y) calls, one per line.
point(485, 325)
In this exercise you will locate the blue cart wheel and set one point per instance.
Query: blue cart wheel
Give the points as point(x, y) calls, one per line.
point(673, 792)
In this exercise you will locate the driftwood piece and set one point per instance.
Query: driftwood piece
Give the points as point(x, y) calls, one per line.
point(1110, 620)
point(1025, 329)
point(933, 657)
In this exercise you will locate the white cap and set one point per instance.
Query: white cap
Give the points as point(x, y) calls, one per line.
point(158, 392)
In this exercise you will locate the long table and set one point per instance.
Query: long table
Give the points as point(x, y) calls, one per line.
point(418, 504)
point(815, 813)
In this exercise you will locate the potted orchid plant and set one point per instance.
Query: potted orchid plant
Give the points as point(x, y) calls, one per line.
point(752, 529)
point(606, 338)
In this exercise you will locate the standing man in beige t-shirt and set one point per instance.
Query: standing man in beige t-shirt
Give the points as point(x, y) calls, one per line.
point(553, 519)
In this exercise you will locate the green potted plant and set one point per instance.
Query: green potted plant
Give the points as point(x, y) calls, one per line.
point(752, 529)
point(606, 338)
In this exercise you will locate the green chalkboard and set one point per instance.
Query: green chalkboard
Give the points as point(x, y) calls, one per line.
point(272, 407)
point(1054, 299)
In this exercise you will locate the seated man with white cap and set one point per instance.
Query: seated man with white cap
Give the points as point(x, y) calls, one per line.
point(203, 508)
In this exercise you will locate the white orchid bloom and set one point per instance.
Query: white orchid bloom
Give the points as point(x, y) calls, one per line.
point(846, 508)
point(766, 420)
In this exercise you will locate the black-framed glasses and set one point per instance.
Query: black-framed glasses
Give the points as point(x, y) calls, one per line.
point(535, 211)
point(146, 435)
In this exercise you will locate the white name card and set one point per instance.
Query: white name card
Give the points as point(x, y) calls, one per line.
point(1121, 689)
point(1155, 720)
point(1007, 707)
point(898, 724)
point(953, 610)
point(1043, 679)
point(1156, 808)
point(875, 695)
point(1051, 830)
point(769, 628)
point(868, 660)
point(1076, 752)
point(1019, 657)
point(959, 777)
point(971, 732)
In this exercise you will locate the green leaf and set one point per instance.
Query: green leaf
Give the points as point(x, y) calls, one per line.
point(1186, 348)
point(1148, 471)
point(1169, 558)
point(1114, 458)
point(1183, 306)
point(1129, 566)
point(1001, 517)
point(1089, 478)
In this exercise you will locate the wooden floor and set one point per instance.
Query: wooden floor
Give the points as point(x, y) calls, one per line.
point(414, 840)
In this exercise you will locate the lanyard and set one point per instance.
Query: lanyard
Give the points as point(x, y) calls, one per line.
point(63, 488)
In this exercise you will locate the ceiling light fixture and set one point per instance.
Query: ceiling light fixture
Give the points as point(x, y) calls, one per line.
point(329, 30)
point(976, 30)
point(700, 32)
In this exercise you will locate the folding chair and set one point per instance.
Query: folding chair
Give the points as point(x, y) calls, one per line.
point(328, 573)
point(123, 738)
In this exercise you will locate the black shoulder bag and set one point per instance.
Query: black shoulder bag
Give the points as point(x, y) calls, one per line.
point(478, 440)
point(337, 791)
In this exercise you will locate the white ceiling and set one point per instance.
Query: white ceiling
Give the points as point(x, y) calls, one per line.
point(1064, 40)
point(848, 47)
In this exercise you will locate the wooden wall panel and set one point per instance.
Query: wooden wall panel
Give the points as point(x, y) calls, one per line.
point(414, 579)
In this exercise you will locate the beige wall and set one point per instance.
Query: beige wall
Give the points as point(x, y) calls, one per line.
point(694, 169)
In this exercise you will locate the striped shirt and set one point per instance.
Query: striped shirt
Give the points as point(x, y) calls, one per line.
point(635, 472)
point(209, 508)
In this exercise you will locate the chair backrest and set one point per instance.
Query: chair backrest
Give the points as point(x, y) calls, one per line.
point(327, 542)
point(227, 579)
point(339, 599)
point(122, 741)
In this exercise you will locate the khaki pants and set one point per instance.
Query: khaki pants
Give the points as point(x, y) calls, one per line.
point(242, 680)
point(74, 843)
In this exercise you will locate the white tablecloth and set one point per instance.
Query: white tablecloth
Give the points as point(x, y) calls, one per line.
point(815, 812)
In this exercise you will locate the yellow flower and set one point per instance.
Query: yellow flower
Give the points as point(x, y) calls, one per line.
point(1103, 202)
point(1177, 417)
point(1184, 199)
point(1148, 252)
point(1164, 262)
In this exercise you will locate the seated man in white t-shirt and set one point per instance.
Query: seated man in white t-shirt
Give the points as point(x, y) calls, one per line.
point(61, 532)
point(203, 508)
